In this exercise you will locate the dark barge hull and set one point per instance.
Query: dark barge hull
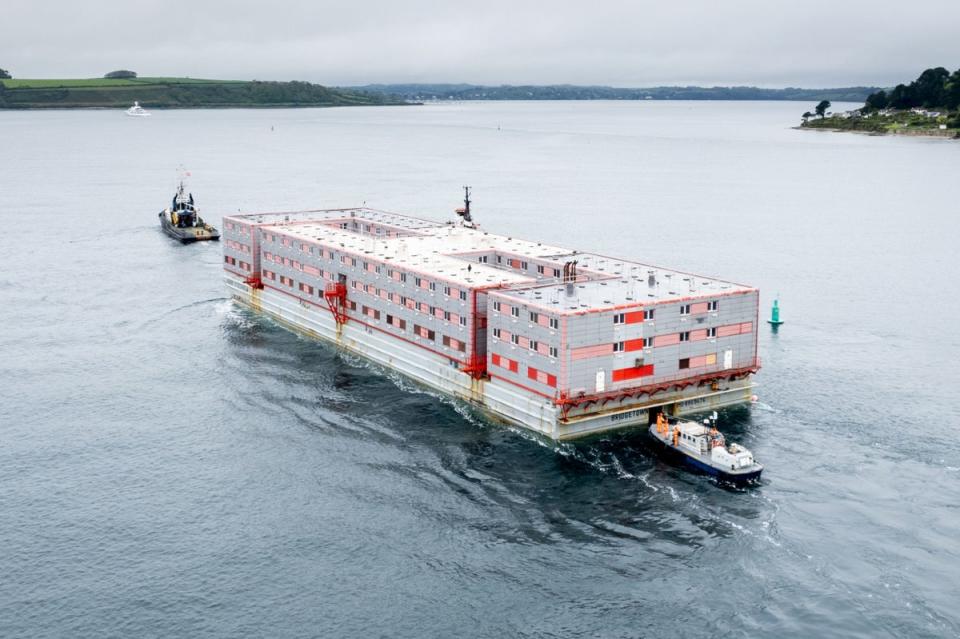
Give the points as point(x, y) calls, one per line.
point(189, 234)
point(678, 457)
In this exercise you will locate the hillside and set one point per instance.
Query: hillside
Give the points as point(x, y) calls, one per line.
point(930, 106)
point(420, 92)
point(177, 93)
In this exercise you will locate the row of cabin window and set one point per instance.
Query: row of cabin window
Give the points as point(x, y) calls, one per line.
point(227, 259)
point(534, 317)
point(685, 335)
point(420, 306)
point(618, 347)
point(711, 306)
point(541, 269)
point(378, 269)
point(402, 301)
point(532, 345)
point(426, 333)
point(621, 318)
point(396, 322)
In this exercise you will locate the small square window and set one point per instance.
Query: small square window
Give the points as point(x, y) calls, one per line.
point(685, 336)
point(684, 363)
point(618, 347)
point(685, 309)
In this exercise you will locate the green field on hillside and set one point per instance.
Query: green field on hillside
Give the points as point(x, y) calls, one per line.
point(104, 82)
point(174, 93)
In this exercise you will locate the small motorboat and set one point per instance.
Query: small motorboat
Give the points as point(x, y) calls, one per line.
point(137, 111)
point(182, 221)
point(703, 448)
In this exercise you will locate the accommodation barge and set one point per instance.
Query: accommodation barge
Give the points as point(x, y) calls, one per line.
point(562, 342)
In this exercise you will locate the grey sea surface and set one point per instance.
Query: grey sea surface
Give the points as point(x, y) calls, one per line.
point(172, 465)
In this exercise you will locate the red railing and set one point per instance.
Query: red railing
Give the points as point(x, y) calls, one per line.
point(679, 382)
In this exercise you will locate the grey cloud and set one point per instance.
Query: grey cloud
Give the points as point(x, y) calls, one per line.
point(640, 43)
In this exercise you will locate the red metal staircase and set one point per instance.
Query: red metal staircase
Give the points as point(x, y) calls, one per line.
point(335, 294)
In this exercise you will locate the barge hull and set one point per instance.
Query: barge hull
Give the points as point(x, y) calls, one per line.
point(497, 398)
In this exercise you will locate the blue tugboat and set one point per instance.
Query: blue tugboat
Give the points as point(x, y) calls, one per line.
point(703, 448)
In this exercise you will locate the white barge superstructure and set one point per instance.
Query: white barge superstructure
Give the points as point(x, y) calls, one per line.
point(563, 342)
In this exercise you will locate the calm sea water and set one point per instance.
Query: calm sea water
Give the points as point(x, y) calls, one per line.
point(171, 465)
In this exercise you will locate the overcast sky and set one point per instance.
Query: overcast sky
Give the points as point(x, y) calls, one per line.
point(774, 43)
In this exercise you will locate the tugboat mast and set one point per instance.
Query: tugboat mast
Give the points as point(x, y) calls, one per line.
point(464, 211)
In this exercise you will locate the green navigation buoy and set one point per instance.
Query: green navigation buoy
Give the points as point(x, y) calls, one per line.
point(775, 313)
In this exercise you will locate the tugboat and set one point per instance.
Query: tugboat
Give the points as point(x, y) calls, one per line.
point(182, 222)
point(703, 447)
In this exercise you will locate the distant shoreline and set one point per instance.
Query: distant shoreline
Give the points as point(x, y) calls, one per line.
point(464, 92)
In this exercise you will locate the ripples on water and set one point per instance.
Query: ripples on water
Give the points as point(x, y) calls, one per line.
point(175, 465)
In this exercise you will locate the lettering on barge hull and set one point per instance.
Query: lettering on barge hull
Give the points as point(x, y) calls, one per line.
point(629, 416)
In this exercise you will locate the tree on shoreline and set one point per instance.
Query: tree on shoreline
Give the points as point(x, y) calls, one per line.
point(934, 89)
point(122, 74)
point(5, 75)
point(877, 101)
point(822, 107)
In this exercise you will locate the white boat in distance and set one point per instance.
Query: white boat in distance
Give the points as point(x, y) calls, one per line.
point(137, 111)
